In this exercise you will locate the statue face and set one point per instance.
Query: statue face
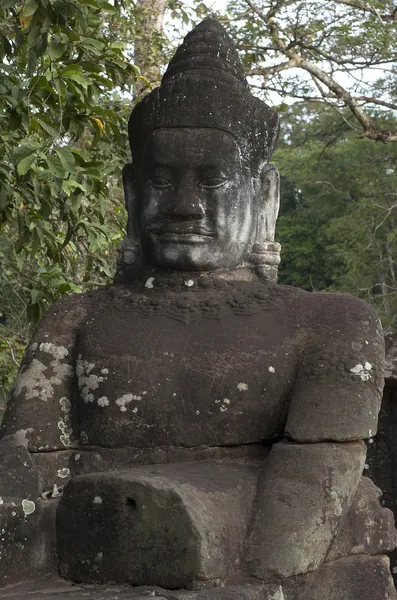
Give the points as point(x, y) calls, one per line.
point(195, 200)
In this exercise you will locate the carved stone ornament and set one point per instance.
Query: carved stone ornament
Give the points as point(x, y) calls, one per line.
point(195, 430)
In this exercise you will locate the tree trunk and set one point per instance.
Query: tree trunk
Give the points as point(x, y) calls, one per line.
point(149, 19)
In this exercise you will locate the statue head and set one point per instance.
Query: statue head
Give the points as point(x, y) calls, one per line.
point(200, 193)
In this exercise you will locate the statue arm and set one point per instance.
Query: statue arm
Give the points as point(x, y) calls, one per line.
point(308, 482)
point(40, 408)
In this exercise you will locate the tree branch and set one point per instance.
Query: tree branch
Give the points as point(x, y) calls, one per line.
point(370, 128)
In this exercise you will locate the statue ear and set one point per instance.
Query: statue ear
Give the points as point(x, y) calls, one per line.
point(130, 249)
point(130, 197)
point(269, 204)
point(266, 252)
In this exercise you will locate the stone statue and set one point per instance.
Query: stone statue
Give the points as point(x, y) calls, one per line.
point(195, 426)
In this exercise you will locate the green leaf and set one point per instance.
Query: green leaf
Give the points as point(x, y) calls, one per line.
point(66, 158)
point(55, 50)
point(72, 69)
point(29, 8)
point(25, 164)
point(80, 79)
point(56, 167)
point(69, 186)
point(47, 127)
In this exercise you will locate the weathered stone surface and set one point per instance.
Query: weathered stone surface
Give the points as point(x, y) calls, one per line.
point(391, 356)
point(19, 521)
point(18, 476)
point(92, 460)
point(356, 578)
point(170, 525)
point(303, 493)
point(59, 589)
point(55, 469)
point(368, 528)
point(40, 404)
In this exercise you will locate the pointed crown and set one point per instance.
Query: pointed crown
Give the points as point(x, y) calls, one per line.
point(205, 86)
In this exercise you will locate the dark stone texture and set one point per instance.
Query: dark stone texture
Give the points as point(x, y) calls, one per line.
point(20, 555)
point(368, 527)
point(18, 476)
point(356, 578)
point(127, 525)
point(303, 494)
point(55, 469)
point(382, 454)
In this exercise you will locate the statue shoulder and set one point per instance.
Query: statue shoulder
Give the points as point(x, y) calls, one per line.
point(342, 315)
point(62, 319)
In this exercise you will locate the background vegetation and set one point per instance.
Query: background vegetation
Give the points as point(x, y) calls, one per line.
point(70, 72)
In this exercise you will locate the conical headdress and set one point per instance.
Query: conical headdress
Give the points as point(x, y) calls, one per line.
point(205, 86)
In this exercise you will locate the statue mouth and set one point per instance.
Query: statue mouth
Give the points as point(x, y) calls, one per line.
point(184, 235)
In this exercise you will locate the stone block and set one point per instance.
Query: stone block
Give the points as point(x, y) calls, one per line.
point(368, 528)
point(168, 525)
point(19, 521)
point(18, 475)
point(357, 578)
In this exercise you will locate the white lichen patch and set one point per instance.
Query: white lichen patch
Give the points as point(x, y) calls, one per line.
point(362, 371)
point(55, 491)
point(66, 431)
point(88, 381)
point(337, 503)
point(149, 282)
point(126, 399)
point(189, 283)
point(22, 438)
point(58, 352)
point(103, 401)
point(65, 403)
point(97, 500)
point(242, 387)
point(278, 595)
point(105, 371)
point(28, 507)
point(77, 457)
point(1, 500)
point(62, 473)
point(272, 370)
point(226, 401)
point(38, 379)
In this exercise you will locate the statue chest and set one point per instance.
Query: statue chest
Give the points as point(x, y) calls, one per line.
point(182, 377)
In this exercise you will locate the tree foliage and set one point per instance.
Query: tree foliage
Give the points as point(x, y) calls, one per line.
point(338, 222)
point(65, 90)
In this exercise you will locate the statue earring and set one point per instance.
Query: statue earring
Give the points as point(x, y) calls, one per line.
point(265, 256)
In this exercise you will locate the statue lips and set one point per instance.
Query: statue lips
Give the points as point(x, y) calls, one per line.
point(184, 235)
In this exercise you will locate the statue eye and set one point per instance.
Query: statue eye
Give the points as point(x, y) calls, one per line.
point(213, 182)
point(160, 182)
